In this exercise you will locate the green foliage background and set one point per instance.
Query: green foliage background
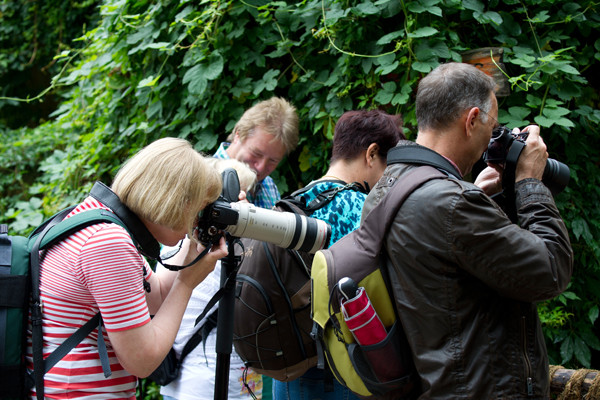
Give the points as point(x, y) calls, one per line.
point(122, 73)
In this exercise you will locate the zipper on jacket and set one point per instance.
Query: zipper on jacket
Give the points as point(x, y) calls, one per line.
point(526, 357)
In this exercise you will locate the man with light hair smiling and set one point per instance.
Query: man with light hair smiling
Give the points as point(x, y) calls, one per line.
point(264, 135)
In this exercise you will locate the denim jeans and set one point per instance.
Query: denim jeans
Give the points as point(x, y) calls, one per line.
point(311, 386)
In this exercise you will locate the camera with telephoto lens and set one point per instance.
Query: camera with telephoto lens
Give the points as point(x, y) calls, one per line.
point(240, 219)
point(556, 174)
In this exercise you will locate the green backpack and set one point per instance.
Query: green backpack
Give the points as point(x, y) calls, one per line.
point(384, 369)
point(19, 289)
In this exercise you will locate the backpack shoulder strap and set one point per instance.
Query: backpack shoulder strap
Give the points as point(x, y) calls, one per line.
point(51, 232)
point(368, 239)
point(65, 228)
point(378, 221)
point(199, 336)
point(323, 198)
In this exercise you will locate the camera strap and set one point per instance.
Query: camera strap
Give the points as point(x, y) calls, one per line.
point(421, 155)
point(510, 167)
point(509, 177)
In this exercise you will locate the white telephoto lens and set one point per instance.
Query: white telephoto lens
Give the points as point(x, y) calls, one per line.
point(284, 229)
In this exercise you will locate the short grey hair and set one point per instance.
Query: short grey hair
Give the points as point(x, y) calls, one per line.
point(450, 89)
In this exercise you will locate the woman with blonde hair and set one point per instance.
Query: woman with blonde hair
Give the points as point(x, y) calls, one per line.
point(158, 193)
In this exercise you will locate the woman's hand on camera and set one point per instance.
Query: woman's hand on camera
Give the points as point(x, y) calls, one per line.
point(534, 156)
point(196, 273)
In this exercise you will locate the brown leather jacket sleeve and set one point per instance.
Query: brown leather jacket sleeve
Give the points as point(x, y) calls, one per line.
point(531, 261)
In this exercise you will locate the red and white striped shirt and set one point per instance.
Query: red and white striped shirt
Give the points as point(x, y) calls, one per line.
point(95, 269)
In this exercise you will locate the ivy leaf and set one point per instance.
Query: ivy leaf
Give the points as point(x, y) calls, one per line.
point(533, 101)
point(214, 69)
point(154, 110)
point(543, 121)
point(386, 69)
point(367, 8)
point(385, 39)
point(366, 65)
point(566, 349)
point(416, 8)
point(403, 96)
point(435, 11)
point(568, 69)
point(553, 103)
point(425, 5)
point(242, 86)
point(519, 112)
point(195, 77)
point(524, 60)
point(474, 5)
point(493, 17)
point(385, 95)
point(555, 113)
point(144, 32)
point(570, 296)
point(424, 67)
point(580, 229)
point(332, 16)
point(423, 32)
point(567, 123)
point(304, 159)
point(386, 59)
point(591, 339)
point(148, 82)
point(184, 13)
point(270, 79)
point(582, 352)
point(593, 314)
point(268, 82)
point(542, 16)
point(159, 45)
point(440, 49)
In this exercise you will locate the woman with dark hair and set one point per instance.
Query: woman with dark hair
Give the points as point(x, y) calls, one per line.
point(361, 142)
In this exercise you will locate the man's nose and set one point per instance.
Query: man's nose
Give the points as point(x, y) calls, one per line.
point(260, 166)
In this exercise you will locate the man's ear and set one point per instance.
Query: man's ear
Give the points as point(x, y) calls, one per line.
point(236, 137)
point(471, 119)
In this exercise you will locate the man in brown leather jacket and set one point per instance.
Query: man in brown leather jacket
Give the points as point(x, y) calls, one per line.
point(465, 277)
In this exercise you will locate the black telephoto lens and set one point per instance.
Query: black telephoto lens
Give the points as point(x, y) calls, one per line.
point(556, 176)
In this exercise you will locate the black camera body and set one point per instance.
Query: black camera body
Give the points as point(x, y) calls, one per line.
point(505, 148)
point(245, 220)
point(217, 216)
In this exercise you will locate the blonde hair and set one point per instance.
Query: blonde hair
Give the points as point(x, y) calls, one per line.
point(168, 183)
point(276, 116)
point(245, 174)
